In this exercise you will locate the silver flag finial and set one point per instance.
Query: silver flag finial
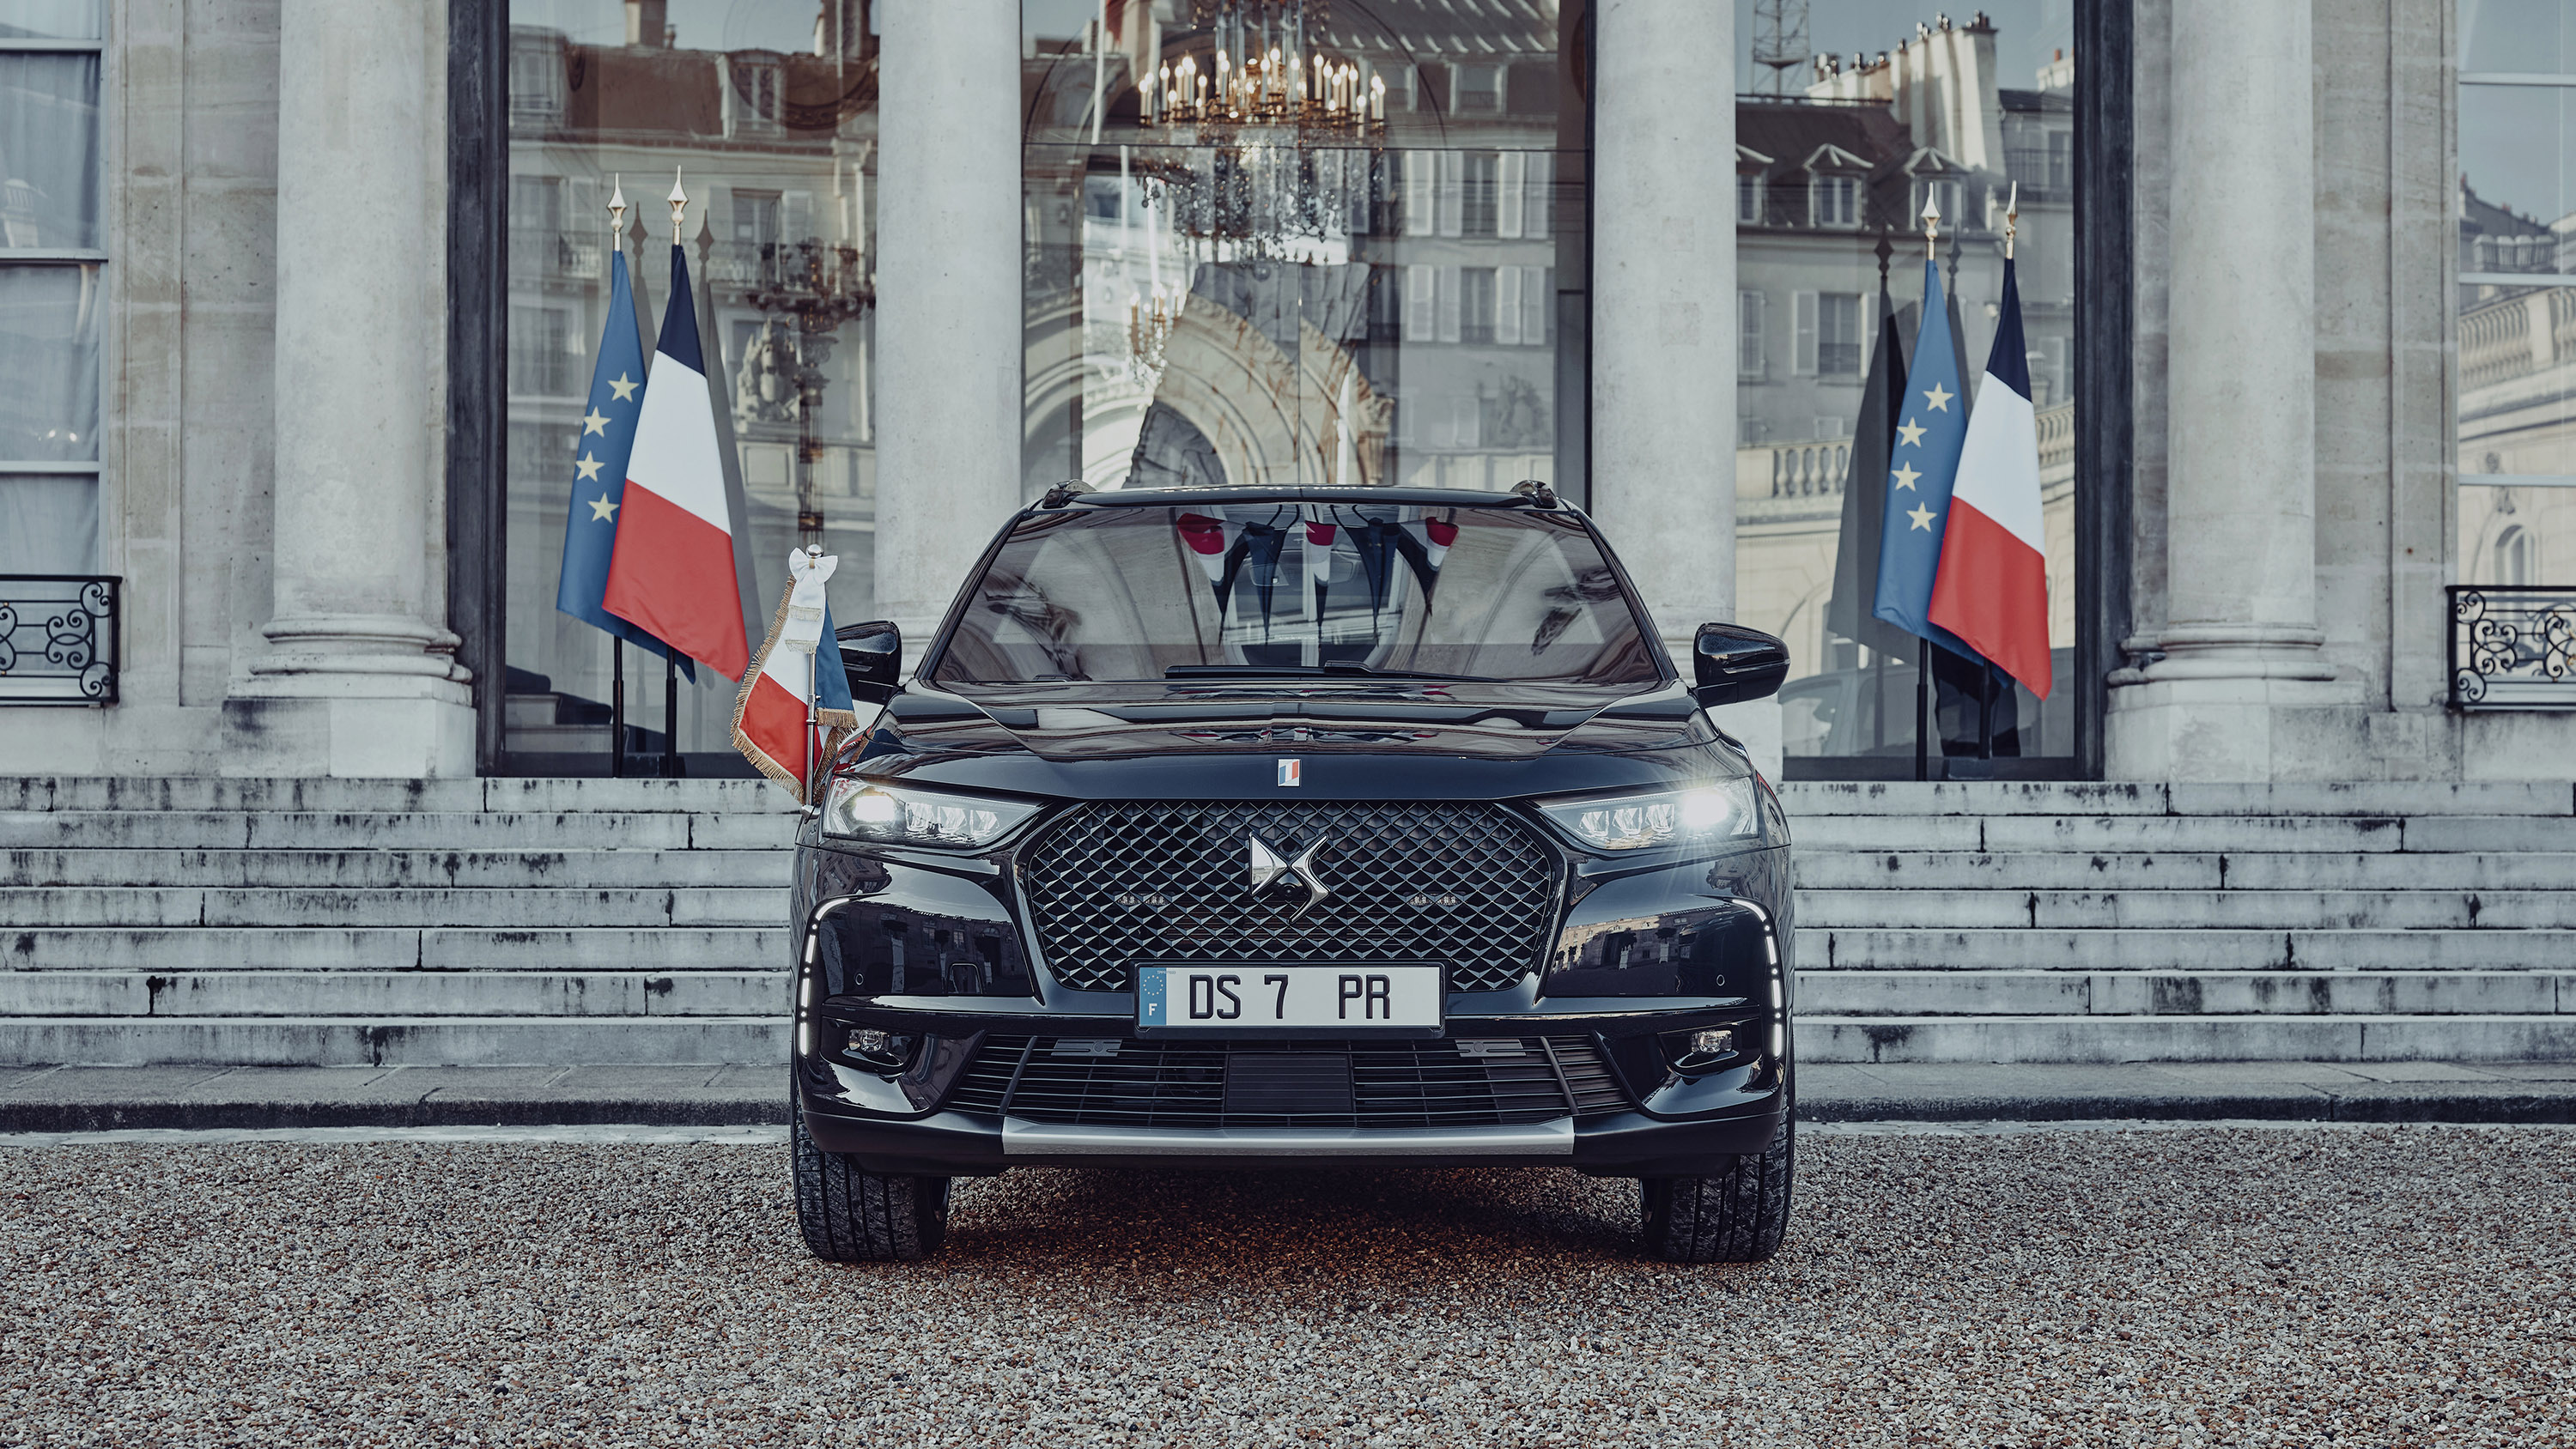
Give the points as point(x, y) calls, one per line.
point(679, 205)
point(617, 207)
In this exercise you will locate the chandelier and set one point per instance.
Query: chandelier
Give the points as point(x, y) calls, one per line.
point(1273, 141)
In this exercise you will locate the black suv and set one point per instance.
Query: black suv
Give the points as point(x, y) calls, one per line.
point(1236, 828)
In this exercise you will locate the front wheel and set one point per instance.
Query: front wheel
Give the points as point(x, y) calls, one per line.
point(1737, 1216)
point(851, 1215)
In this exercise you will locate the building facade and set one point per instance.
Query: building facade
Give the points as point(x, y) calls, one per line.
point(302, 299)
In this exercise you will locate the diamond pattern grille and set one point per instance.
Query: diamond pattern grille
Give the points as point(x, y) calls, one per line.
point(1467, 886)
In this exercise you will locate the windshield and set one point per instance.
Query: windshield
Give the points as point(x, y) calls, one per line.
point(1327, 590)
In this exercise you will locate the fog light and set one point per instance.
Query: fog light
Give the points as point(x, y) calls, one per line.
point(1719, 1042)
point(877, 1047)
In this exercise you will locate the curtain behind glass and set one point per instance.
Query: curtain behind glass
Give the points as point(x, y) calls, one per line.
point(48, 524)
point(49, 151)
point(49, 363)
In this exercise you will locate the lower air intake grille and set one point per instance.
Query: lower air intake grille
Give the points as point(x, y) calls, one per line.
point(1142, 1083)
point(1466, 885)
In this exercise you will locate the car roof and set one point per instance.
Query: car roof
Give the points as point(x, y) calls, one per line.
point(1429, 497)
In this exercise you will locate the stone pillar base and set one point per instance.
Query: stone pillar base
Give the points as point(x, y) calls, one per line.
point(427, 733)
point(365, 696)
point(2231, 729)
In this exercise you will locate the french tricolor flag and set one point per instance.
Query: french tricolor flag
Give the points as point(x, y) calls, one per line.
point(1992, 585)
point(673, 572)
point(770, 726)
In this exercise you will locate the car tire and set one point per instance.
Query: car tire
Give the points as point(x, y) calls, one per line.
point(1737, 1216)
point(851, 1215)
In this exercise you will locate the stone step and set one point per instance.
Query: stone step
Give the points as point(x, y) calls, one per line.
point(2189, 910)
point(213, 793)
point(2200, 870)
point(122, 906)
point(2157, 834)
point(2206, 993)
point(375, 868)
point(657, 1041)
point(2185, 1038)
point(168, 950)
point(2386, 798)
point(392, 993)
point(1851, 949)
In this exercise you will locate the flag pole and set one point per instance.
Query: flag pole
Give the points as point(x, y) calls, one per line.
point(679, 200)
point(616, 643)
point(1986, 706)
point(1923, 720)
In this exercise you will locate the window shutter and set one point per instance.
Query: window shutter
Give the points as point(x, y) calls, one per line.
point(1419, 212)
point(1453, 193)
point(1449, 290)
point(1507, 305)
point(1420, 293)
point(1512, 182)
point(1748, 325)
point(1537, 295)
point(1803, 308)
point(1534, 216)
point(1470, 414)
point(795, 217)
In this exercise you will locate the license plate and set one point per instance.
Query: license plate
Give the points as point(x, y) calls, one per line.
point(1324, 1000)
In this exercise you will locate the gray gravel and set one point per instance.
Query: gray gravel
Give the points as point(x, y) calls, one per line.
point(2347, 1287)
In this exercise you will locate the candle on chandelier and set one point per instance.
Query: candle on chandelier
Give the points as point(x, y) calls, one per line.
point(1377, 98)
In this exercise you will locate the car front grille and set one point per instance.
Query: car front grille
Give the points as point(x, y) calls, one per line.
point(1369, 1084)
point(1466, 886)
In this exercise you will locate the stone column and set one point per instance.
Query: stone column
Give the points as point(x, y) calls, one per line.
point(948, 308)
point(360, 678)
point(2240, 641)
point(1663, 320)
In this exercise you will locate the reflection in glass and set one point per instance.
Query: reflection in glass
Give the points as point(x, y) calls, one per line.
point(1352, 275)
point(49, 321)
point(2517, 311)
point(769, 107)
point(49, 151)
point(1832, 174)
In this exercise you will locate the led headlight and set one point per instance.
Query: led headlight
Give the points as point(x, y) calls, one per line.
point(1722, 813)
point(901, 815)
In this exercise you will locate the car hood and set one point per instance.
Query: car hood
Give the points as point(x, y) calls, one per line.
point(1357, 740)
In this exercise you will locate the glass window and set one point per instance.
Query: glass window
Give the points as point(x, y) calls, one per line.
point(2517, 308)
point(1113, 596)
point(768, 108)
point(1748, 333)
point(1296, 298)
point(1748, 199)
point(2004, 79)
point(1833, 200)
point(51, 275)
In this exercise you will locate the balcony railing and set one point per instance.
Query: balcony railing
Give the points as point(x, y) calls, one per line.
point(58, 639)
point(2513, 646)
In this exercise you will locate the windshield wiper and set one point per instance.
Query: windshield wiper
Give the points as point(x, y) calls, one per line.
point(1258, 671)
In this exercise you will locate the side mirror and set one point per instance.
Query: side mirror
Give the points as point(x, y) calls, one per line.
point(1732, 664)
point(873, 655)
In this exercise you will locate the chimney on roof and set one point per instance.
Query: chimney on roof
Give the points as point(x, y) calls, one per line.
point(648, 23)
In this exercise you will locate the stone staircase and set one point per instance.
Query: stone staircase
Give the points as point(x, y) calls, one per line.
point(2108, 923)
point(536, 922)
point(355, 922)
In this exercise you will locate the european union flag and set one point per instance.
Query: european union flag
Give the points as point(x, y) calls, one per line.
point(599, 473)
point(1931, 427)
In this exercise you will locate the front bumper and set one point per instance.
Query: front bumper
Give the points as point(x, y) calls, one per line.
point(968, 1102)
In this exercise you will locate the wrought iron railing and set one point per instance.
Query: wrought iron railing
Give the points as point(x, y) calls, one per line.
point(2513, 646)
point(59, 640)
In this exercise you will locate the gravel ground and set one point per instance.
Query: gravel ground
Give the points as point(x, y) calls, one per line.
point(2330, 1286)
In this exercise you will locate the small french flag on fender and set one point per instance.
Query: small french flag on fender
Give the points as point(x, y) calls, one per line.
point(1992, 585)
point(672, 574)
point(769, 726)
